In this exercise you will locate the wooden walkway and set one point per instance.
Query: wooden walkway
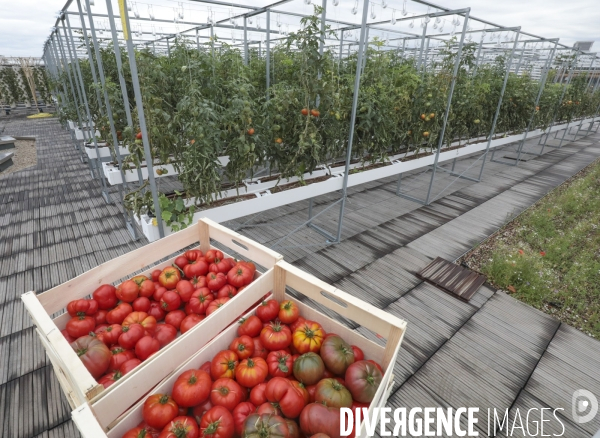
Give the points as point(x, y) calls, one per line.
point(491, 352)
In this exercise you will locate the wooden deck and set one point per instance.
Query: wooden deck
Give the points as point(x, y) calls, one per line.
point(490, 352)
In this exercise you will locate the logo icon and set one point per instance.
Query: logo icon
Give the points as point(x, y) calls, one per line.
point(585, 406)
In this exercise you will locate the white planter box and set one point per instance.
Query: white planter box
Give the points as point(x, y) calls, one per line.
point(103, 150)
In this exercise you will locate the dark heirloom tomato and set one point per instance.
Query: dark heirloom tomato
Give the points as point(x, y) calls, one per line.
point(337, 355)
point(290, 398)
point(226, 392)
point(215, 281)
point(268, 310)
point(82, 307)
point(308, 337)
point(363, 379)
point(109, 334)
point(358, 353)
point(169, 277)
point(276, 336)
point(185, 289)
point(191, 388)
point(129, 365)
point(257, 395)
point(265, 426)
point(224, 364)
point(332, 393)
point(164, 334)
point(294, 429)
point(268, 408)
point(175, 317)
point(128, 291)
point(217, 423)
point(146, 347)
point(240, 413)
point(159, 410)
point(180, 427)
point(251, 372)
point(309, 368)
point(190, 321)
point(130, 335)
point(243, 347)
point(119, 313)
point(93, 353)
point(80, 326)
point(280, 363)
point(216, 305)
point(250, 326)
point(170, 301)
point(318, 418)
point(106, 296)
point(118, 357)
point(288, 312)
point(110, 378)
point(200, 300)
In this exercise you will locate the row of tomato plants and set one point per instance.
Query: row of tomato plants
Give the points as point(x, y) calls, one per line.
point(202, 104)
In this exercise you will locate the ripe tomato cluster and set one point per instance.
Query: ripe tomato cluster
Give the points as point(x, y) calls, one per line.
point(283, 377)
point(120, 327)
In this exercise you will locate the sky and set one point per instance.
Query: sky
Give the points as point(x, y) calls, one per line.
point(27, 23)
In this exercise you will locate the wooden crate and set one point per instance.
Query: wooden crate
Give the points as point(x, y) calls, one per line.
point(77, 383)
point(101, 419)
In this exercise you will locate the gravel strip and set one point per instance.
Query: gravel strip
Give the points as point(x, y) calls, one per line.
point(25, 155)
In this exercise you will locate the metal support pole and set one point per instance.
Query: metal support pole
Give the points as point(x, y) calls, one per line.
point(341, 48)
point(520, 59)
point(571, 73)
point(588, 78)
point(168, 47)
point(366, 50)
point(478, 53)
point(73, 91)
point(268, 52)
point(357, 76)
point(142, 118)
point(245, 40)
point(422, 46)
point(497, 114)
point(92, 66)
point(426, 54)
point(62, 70)
point(448, 103)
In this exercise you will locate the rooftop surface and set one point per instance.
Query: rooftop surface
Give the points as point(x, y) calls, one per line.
point(493, 352)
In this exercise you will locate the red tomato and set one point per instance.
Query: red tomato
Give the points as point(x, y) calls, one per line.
point(106, 296)
point(290, 398)
point(93, 353)
point(196, 268)
point(219, 265)
point(276, 336)
point(139, 279)
point(180, 427)
point(268, 310)
point(212, 255)
point(215, 281)
point(192, 254)
point(109, 334)
point(240, 413)
point(191, 388)
point(200, 300)
point(227, 393)
point(288, 312)
point(205, 367)
point(156, 311)
point(128, 291)
point(155, 275)
point(227, 291)
point(311, 389)
point(250, 326)
point(70, 339)
point(100, 317)
point(185, 289)
point(146, 347)
point(141, 304)
point(175, 317)
point(243, 347)
point(224, 364)
point(269, 409)
point(190, 321)
point(298, 323)
point(143, 319)
point(119, 357)
point(82, 307)
point(129, 365)
point(280, 364)
point(199, 411)
point(259, 348)
point(216, 305)
point(257, 395)
point(159, 410)
point(181, 262)
point(358, 353)
point(141, 431)
point(217, 423)
point(251, 372)
point(198, 282)
point(80, 326)
point(110, 378)
point(317, 418)
point(240, 275)
point(170, 301)
point(169, 277)
point(131, 335)
point(164, 334)
point(147, 288)
point(158, 293)
point(119, 313)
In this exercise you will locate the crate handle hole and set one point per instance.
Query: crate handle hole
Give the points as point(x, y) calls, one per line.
point(240, 245)
point(334, 299)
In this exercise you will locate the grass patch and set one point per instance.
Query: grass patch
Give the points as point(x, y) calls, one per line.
point(549, 257)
